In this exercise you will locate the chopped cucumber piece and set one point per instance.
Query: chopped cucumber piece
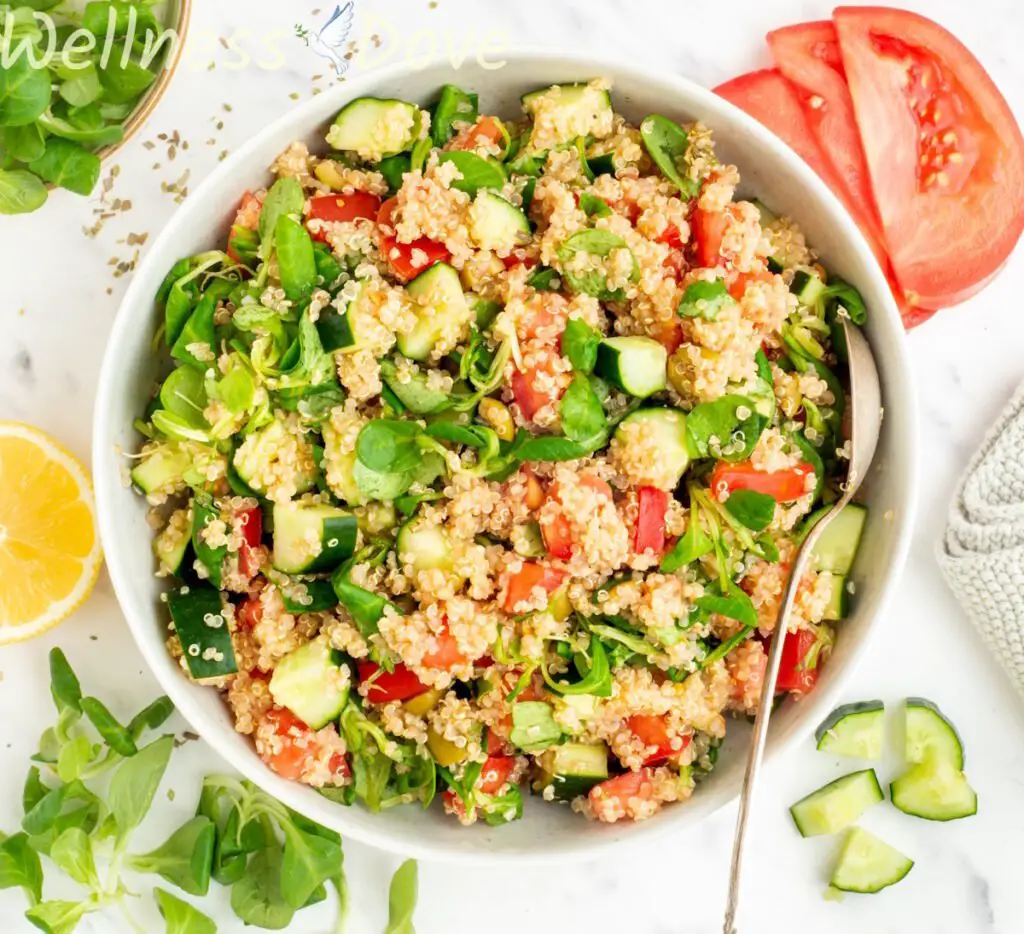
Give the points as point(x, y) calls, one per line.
point(575, 109)
point(837, 547)
point(854, 730)
point(374, 128)
point(161, 471)
point(668, 427)
point(345, 331)
point(930, 734)
point(807, 287)
point(312, 537)
point(414, 391)
point(838, 804)
point(533, 726)
point(867, 864)
point(636, 365)
point(312, 683)
point(170, 547)
point(574, 768)
point(307, 596)
point(839, 597)
point(423, 546)
point(442, 310)
point(211, 558)
point(262, 448)
point(496, 224)
point(198, 614)
point(935, 790)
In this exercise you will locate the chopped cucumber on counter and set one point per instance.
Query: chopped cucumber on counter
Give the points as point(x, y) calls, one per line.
point(838, 804)
point(855, 730)
point(867, 864)
point(930, 734)
point(934, 790)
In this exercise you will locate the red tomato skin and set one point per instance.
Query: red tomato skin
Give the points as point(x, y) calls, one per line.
point(557, 534)
point(532, 574)
point(651, 731)
point(290, 761)
point(495, 773)
point(783, 485)
point(793, 678)
point(808, 55)
point(400, 255)
point(339, 207)
point(652, 504)
point(248, 214)
point(252, 534)
point(398, 685)
point(447, 655)
point(945, 241)
point(625, 786)
point(250, 611)
point(528, 397)
point(708, 234)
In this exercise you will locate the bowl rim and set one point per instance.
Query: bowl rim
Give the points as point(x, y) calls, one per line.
point(107, 461)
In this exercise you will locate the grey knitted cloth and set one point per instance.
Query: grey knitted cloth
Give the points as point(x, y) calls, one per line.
point(982, 554)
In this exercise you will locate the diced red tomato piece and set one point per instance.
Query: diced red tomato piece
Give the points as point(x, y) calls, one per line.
point(336, 208)
point(668, 333)
point(252, 534)
point(495, 744)
point(782, 485)
point(447, 655)
point(250, 611)
point(537, 386)
point(652, 504)
point(651, 731)
point(248, 214)
point(400, 255)
point(542, 314)
point(397, 685)
point(620, 789)
point(513, 260)
point(739, 284)
point(293, 754)
point(670, 236)
point(486, 129)
point(339, 766)
point(798, 668)
point(708, 233)
point(944, 152)
point(494, 774)
point(808, 55)
point(557, 530)
point(531, 575)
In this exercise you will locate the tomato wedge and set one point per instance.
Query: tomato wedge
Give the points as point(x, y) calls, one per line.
point(400, 684)
point(407, 260)
point(944, 152)
point(808, 55)
point(522, 583)
point(335, 208)
point(782, 485)
point(652, 504)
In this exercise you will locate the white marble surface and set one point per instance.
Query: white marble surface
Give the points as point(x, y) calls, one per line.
point(58, 299)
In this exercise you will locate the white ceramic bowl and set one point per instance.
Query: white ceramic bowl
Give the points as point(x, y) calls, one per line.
point(769, 169)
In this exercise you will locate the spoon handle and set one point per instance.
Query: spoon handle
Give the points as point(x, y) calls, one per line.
point(764, 711)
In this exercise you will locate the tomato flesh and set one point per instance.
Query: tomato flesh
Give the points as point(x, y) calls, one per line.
point(622, 788)
point(536, 386)
point(252, 534)
point(708, 234)
point(337, 208)
point(782, 485)
point(556, 529)
point(400, 256)
point(652, 731)
point(529, 576)
point(290, 761)
point(250, 611)
point(485, 130)
point(796, 675)
point(943, 150)
point(652, 504)
point(447, 654)
point(400, 684)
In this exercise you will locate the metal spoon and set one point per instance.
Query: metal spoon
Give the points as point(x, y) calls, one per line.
point(866, 406)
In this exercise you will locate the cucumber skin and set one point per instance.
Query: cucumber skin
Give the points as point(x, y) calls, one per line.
point(926, 704)
point(822, 734)
point(189, 608)
point(836, 785)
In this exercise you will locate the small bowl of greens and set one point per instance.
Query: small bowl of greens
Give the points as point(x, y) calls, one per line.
point(78, 79)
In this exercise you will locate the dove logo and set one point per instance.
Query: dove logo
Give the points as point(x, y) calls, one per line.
point(331, 40)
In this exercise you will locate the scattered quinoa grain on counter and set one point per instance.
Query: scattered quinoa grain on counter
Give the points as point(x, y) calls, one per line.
point(486, 450)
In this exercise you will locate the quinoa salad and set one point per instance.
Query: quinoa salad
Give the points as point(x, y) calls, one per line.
point(483, 450)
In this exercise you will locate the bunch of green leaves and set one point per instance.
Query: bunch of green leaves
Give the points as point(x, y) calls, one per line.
point(385, 772)
point(66, 91)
